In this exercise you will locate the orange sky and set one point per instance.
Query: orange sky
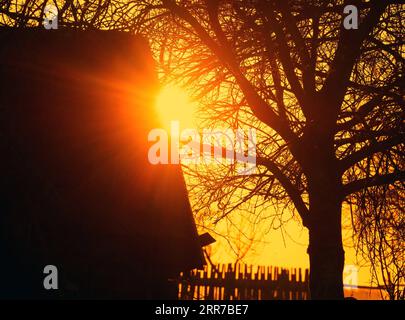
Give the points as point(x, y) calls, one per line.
point(285, 248)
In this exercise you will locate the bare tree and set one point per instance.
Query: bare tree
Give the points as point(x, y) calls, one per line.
point(79, 14)
point(379, 227)
point(326, 102)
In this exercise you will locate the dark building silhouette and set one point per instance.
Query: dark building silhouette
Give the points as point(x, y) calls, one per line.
point(77, 190)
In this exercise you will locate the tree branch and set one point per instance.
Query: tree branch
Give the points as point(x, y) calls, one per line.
point(259, 107)
point(291, 25)
point(288, 187)
point(369, 151)
point(284, 56)
point(347, 53)
point(361, 113)
point(375, 181)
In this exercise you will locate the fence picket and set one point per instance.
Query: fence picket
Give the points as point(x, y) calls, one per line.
point(239, 282)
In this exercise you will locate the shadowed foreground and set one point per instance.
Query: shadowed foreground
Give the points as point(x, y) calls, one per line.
point(77, 190)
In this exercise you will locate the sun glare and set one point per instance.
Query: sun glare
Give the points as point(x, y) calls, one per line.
point(173, 104)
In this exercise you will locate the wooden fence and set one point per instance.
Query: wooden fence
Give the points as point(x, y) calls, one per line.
point(243, 282)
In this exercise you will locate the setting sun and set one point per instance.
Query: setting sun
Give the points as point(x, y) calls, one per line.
point(173, 104)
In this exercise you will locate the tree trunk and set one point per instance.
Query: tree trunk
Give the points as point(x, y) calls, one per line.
point(325, 242)
point(326, 255)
